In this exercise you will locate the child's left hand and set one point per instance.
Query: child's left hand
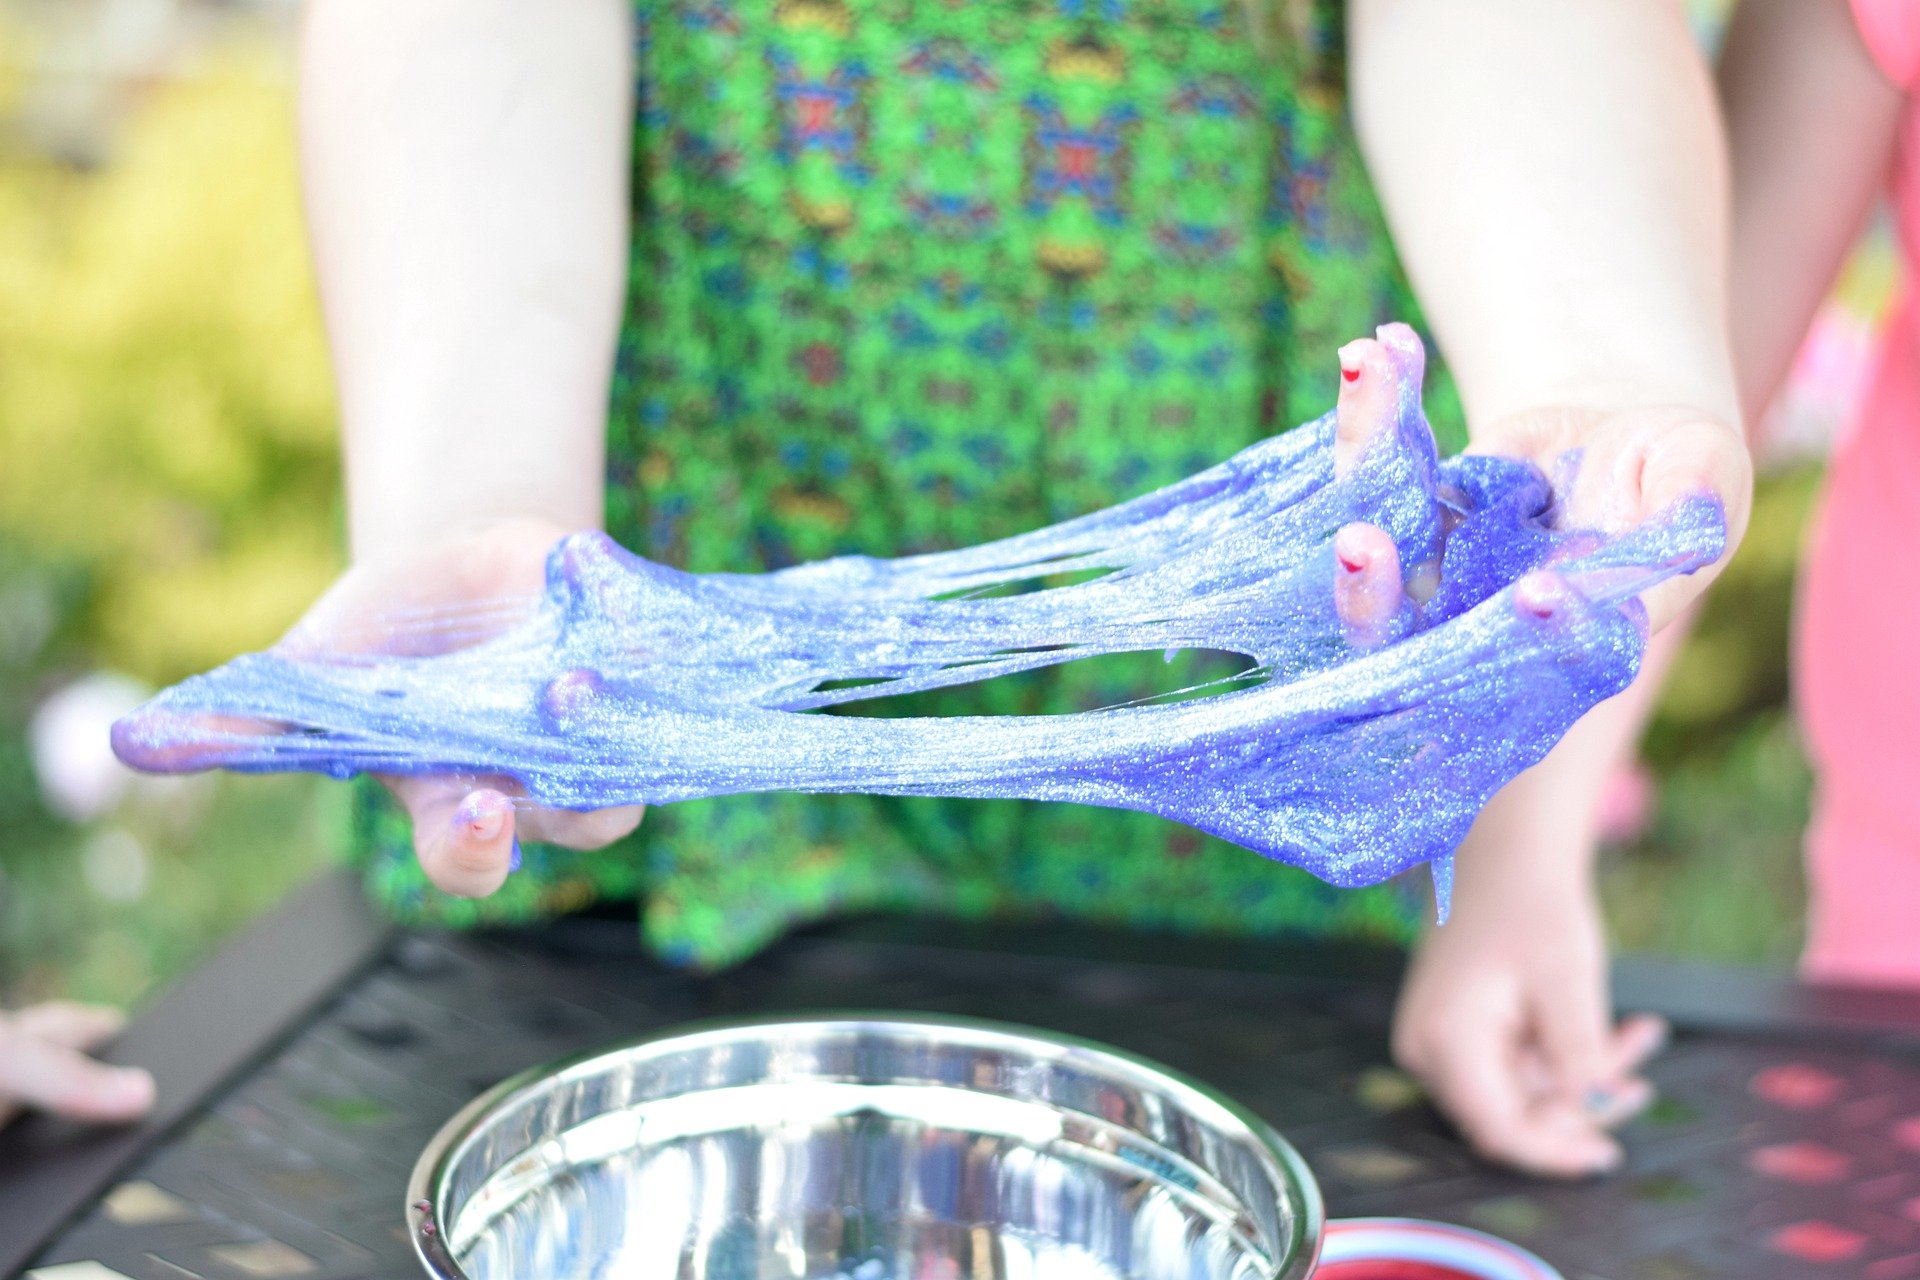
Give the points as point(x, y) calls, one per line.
point(1629, 466)
point(1504, 1017)
point(1505, 1013)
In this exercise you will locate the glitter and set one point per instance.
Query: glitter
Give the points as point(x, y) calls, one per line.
point(1362, 751)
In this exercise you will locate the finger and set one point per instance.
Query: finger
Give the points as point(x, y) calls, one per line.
point(1632, 1044)
point(1640, 471)
point(1620, 1102)
point(1477, 1083)
point(1573, 1026)
point(1369, 394)
point(1535, 1074)
point(593, 829)
point(69, 1024)
point(1367, 591)
point(463, 837)
point(1543, 597)
point(170, 742)
point(38, 1073)
point(1635, 1042)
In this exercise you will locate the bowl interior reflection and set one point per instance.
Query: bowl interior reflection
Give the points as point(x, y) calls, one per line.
point(871, 1149)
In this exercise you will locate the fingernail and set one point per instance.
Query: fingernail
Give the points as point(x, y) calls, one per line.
point(1598, 1100)
point(482, 820)
point(130, 1088)
point(1633, 1100)
point(513, 859)
point(1349, 550)
point(1350, 358)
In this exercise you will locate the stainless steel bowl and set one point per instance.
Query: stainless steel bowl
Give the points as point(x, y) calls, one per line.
point(863, 1148)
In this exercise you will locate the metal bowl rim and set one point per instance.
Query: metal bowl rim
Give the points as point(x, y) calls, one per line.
point(450, 1139)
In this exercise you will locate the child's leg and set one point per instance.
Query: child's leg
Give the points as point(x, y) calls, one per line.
point(1857, 684)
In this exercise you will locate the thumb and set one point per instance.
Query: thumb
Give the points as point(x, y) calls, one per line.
point(464, 836)
point(70, 1025)
point(1640, 464)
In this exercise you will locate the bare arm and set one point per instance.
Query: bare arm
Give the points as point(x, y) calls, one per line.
point(1556, 181)
point(466, 168)
point(1810, 123)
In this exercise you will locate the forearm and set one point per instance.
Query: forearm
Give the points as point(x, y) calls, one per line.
point(1554, 176)
point(466, 167)
point(1502, 862)
point(1811, 124)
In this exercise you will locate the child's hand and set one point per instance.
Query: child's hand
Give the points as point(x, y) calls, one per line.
point(1632, 465)
point(453, 594)
point(44, 1063)
point(1504, 1017)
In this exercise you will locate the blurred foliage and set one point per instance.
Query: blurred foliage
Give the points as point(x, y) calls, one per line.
point(167, 498)
point(1718, 874)
point(110, 909)
point(166, 413)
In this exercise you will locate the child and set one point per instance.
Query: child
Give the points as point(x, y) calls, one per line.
point(901, 276)
point(1824, 116)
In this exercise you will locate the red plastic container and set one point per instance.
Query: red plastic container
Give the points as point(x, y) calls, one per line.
point(1409, 1249)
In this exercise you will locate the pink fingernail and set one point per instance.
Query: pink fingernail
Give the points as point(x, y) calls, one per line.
point(1352, 360)
point(1351, 560)
point(131, 1088)
point(482, 818)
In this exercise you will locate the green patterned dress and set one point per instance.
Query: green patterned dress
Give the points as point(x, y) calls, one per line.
point(913, 274)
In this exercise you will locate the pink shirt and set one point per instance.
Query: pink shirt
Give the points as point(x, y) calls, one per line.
point(1856, 682)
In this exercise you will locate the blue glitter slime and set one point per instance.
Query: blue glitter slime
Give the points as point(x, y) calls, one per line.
point(1352, 757)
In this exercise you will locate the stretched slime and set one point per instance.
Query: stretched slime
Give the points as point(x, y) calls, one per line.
point(1374, 725)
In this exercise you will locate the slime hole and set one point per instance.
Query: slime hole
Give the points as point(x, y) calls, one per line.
point(1036, 582)
point(1101, 681)
point(857, 682)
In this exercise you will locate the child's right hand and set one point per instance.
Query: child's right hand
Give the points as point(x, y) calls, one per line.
point(44, 1063)
point(449, 595)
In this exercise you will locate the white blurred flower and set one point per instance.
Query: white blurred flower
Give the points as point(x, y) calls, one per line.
point(79, 777)
point(115, 865)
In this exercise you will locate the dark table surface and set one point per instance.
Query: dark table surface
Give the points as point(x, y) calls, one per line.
point(303, 1068)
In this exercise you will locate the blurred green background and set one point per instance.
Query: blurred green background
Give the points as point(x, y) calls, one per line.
point(169, 497)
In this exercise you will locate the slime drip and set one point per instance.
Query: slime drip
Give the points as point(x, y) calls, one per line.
point(1362, 751)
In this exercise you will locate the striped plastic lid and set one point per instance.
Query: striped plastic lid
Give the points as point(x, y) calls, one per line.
point(1408, 1249)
